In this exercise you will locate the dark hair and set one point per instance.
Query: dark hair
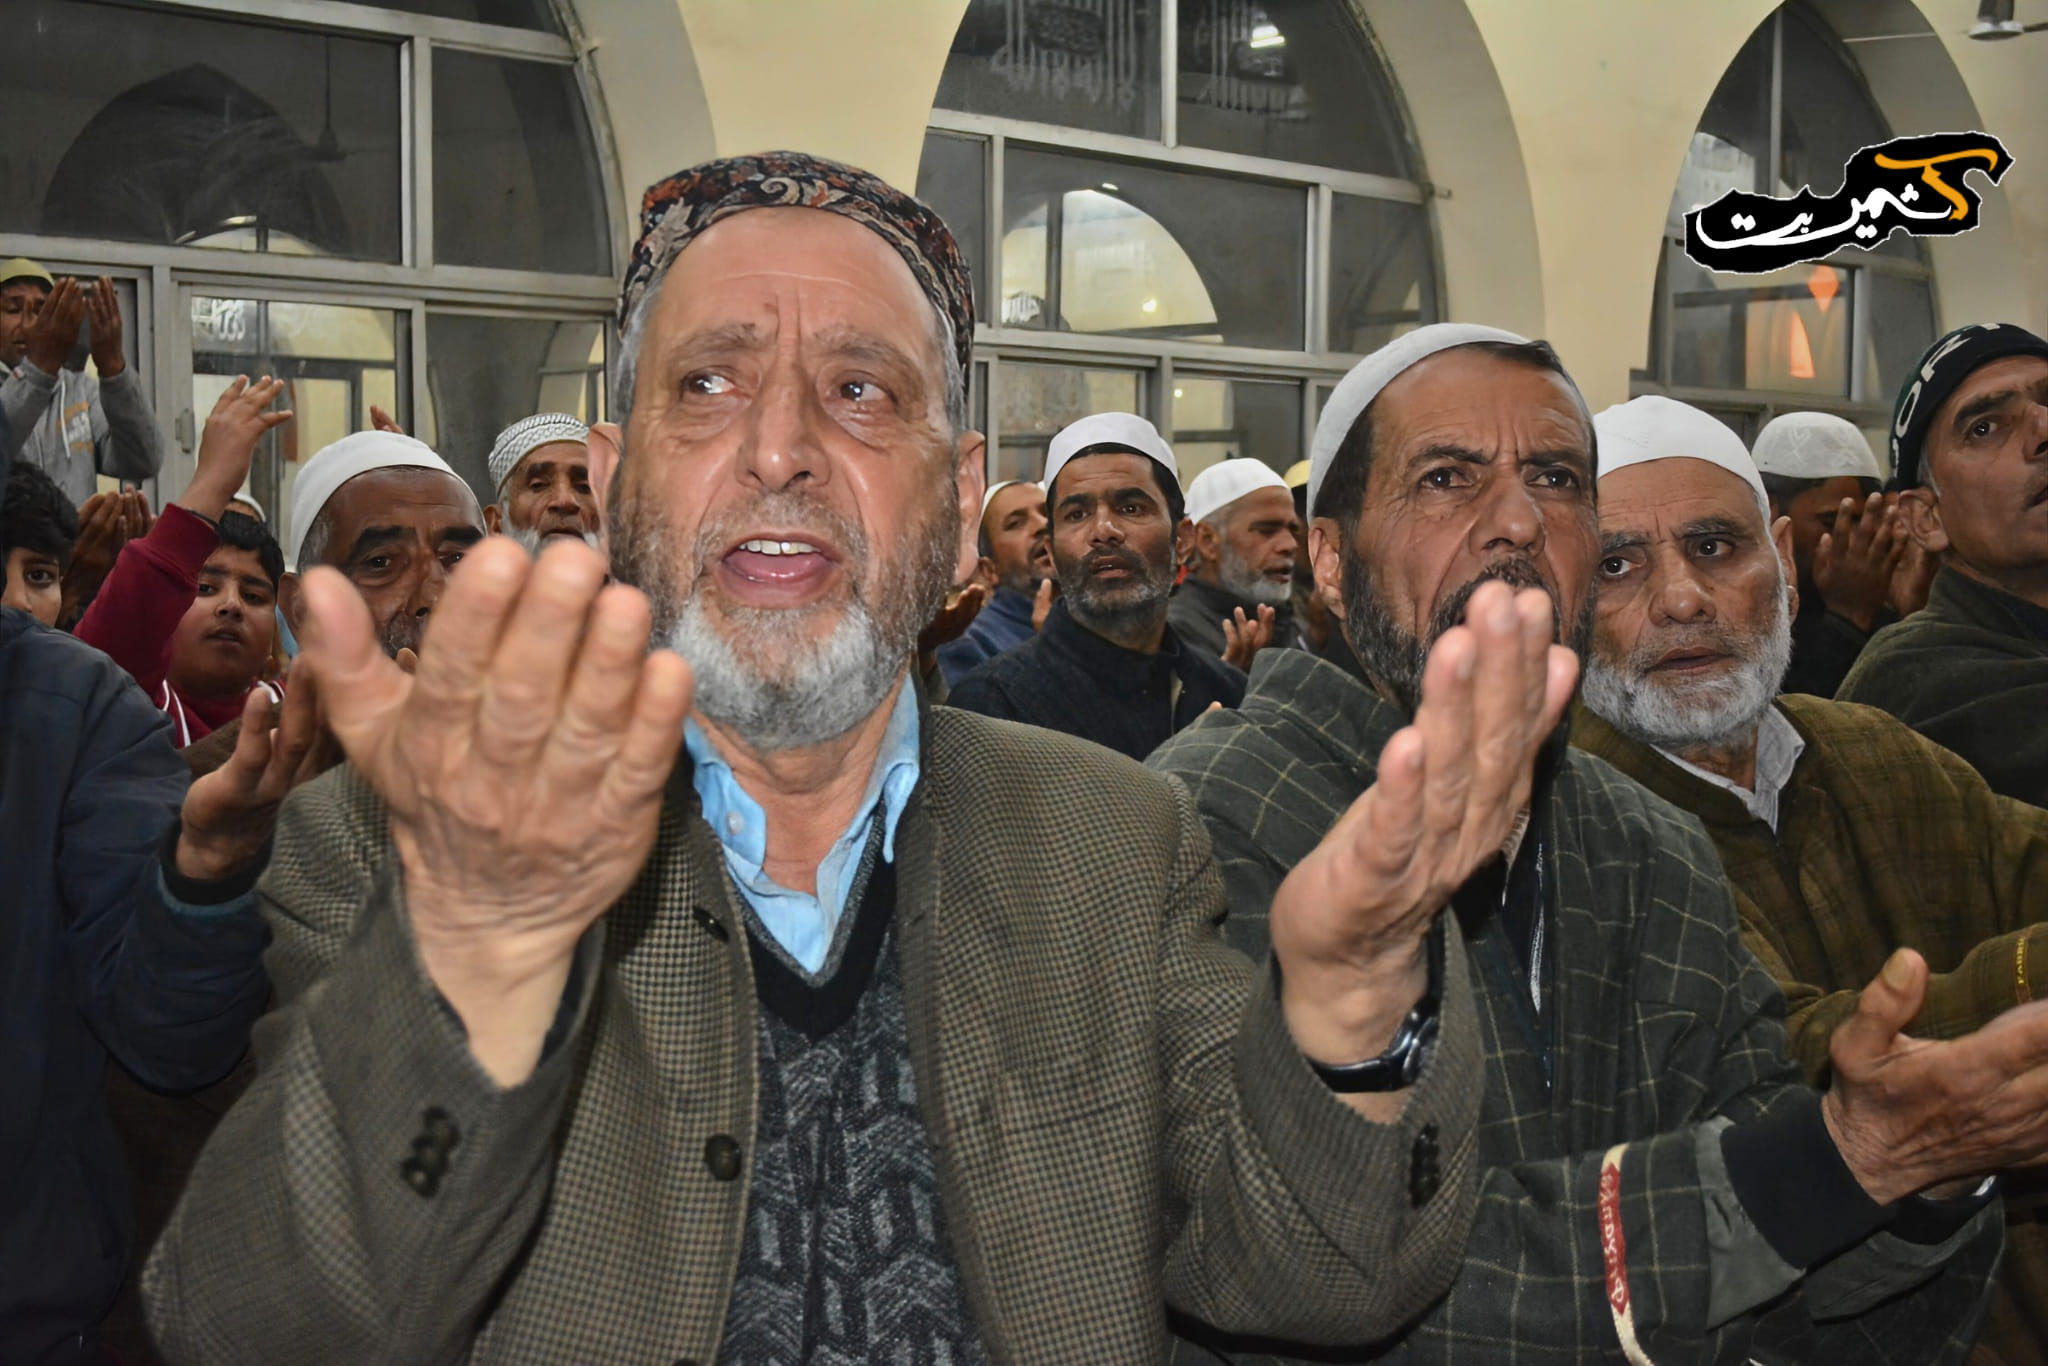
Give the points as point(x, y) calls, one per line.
point(1342, 495)
point(36, 515)
point(1169, 487)
point(240, 531)
point(1783, 488)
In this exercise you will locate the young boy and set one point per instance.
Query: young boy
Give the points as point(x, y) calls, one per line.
point(187, 609)
point(38, 527)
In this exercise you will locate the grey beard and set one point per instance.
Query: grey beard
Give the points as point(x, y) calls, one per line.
point(530, 540)
point(1116, 611)
point(1701, 714)
point(1395, 660)
point(1239, 579)
point(749, 678)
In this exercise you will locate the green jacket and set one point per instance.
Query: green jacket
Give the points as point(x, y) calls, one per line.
point(1884, 840)
point(1970, 672)
point(1659, 1031)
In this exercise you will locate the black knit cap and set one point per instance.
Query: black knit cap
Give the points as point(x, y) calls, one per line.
point(1941, 371)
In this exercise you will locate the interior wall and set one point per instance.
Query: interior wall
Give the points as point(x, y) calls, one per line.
point(1605, 95)
point(1485, 221)
point(651, 95)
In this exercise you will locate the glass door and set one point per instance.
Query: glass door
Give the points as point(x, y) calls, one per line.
point(337, 360)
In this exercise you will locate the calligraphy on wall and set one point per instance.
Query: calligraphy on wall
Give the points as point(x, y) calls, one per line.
point(1915, 184)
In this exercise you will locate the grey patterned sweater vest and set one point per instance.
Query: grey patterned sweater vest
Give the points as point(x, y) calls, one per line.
point(846, 1259)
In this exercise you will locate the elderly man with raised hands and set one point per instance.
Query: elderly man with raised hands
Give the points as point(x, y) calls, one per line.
point(1970, 454)
point(1242, 540)
point(1108, 665)
point(871, 1030)
point(540, 468)
point(393, 517)
point(1656, 1181)
point(1845, 834)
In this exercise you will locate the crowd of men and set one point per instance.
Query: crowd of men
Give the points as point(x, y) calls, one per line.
point(1507, 883)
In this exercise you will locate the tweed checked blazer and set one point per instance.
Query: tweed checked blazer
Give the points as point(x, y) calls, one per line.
point(1658, 1030)
point(1117, 1115)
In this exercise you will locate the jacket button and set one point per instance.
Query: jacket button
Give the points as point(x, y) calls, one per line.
point(711, 923)
point(1424, 1177)
point(722, 1157)
point(430, 1156)
point(424, 1183)
point(440, 1128)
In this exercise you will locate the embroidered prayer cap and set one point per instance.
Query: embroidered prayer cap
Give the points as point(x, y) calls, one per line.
point(1813, 446)
point(1657, 428)
point(1356, 391)
point(676, 210)
point(1226, 481)
point(336, 464)
point(528, 435)
point(1127, 430)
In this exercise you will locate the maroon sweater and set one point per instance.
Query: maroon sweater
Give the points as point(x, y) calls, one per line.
point(138, 609)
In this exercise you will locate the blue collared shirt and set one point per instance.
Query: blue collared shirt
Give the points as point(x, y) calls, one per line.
point(804, 924)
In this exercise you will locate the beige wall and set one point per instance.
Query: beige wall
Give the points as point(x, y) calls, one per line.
point(1552, 132)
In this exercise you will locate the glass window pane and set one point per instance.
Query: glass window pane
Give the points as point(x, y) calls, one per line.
point(952, 177)
point(1381, 280)
point(1292, 79)
point(1082, 63)
point(147, 126)
point(1732, 149)
point(533, 14)
point(485, 373)
point(1034, 401)
point(1901, 330)
point(1787, 331)
point(336, 360)
point(516, 180)
point(1223, 419)
point(1828, 116)
point(1092, 245)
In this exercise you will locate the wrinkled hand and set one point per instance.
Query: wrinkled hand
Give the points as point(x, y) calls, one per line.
point(1244, 638)
point(1912, 577)
point(238, 421)
point(54, 333)
point(230, 813)
point(105, 310)
point(1909, 1114)
point(523, 766)
point(382, 421)
point(1041, 606)
point(1852, 565)
point(1350, 921)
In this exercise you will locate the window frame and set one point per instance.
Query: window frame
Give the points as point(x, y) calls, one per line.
point(1859, 406)
point(416, 281)
point(1308, 366)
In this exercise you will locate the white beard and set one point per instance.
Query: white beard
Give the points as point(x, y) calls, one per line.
point(819, 696)
point(1706, 712)
point(1241, 580)
point(531, 541)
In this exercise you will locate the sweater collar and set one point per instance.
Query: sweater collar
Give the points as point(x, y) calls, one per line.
point(1961, 598)
point(1105, 660)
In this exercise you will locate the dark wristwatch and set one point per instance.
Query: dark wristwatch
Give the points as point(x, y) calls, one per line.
point(1414, 1041)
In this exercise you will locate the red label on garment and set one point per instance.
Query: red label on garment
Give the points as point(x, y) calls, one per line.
point(1613, 1246)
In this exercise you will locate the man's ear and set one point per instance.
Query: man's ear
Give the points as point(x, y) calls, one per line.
point(1781, 540)
point(1324, 542)
point(970, 473)
point(1920, 512)
point(491, 519)
point(607, 443)
point(1207, 543)
point(291, 603)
